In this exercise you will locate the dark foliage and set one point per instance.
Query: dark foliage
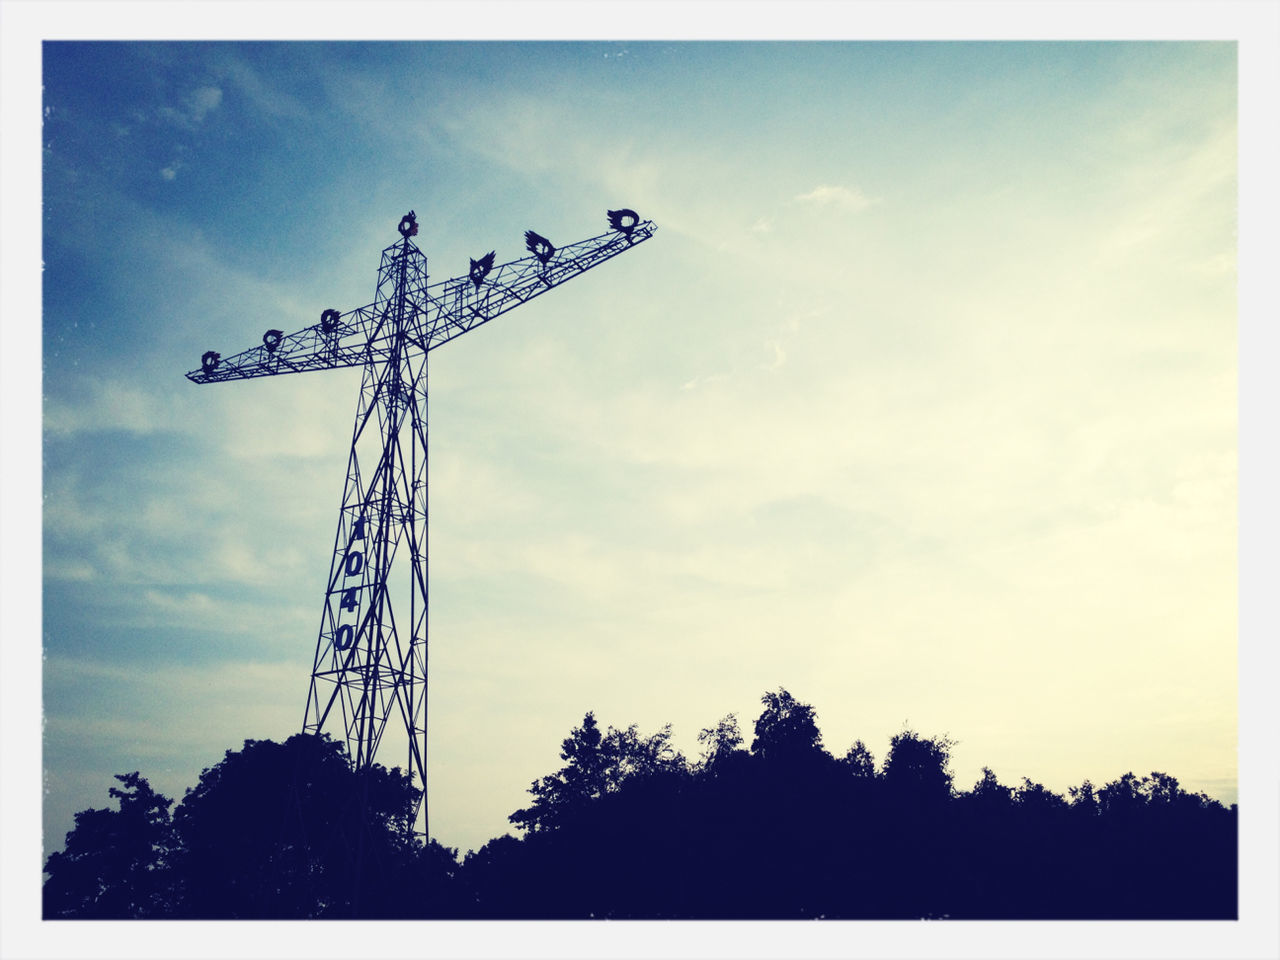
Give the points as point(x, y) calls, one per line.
point(628, 828)
point(785, 830)
point(276, 830)
point(272, 831)
point(116, 862)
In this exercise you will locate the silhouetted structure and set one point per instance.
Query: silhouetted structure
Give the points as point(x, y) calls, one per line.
point(369, 665)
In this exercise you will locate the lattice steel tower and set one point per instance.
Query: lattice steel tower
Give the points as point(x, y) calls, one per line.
point(371, 655)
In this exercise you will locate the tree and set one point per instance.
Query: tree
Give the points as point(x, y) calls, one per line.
point(990, 790)
point(598, 764)
point(859, 761)
point(786, 729)
point(1123, 797)
point(291, 831)
point(918, 766)
point(116, 862)
point(628, 756)
point(581, 780)
point(1162, 789)
point(1036, 796)
point(1084, 802)
point(722, 740)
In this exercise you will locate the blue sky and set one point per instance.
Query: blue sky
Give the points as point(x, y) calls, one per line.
point(921, 403)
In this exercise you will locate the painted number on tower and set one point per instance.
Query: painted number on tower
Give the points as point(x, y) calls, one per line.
point(352, 565)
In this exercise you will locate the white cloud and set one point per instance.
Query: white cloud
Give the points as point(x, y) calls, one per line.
point(202, 101)
point(198, 105)
point(848, 199)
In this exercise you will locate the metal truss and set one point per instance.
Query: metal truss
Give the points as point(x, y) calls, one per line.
point(370, 666)
point(451, 308)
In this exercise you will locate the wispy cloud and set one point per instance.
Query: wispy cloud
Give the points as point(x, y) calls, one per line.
point(270, 99)
point(195, 107)
point(114, 402)
point(700, 381)
point(848, 199)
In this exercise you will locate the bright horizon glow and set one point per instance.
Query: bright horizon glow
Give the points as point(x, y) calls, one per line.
point(926, 413)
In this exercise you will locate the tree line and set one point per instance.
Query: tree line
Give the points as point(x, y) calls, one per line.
point(630, 828)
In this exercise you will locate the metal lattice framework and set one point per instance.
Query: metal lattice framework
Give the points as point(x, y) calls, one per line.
point(371, 656)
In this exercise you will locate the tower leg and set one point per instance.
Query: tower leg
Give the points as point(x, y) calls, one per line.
point(366, 666)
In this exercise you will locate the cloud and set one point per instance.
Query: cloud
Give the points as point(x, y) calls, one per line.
point(198, 105)
point(109, 403)
point(170, 172)
point(700, 381)
point(850, 200)
point(203, 100)
point(268, 98)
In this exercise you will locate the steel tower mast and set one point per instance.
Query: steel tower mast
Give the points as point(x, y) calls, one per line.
point(370, 666)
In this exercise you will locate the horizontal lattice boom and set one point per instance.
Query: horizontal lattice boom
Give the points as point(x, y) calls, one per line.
point(452, 307)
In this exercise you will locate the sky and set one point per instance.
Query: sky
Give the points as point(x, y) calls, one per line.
point(921, 403)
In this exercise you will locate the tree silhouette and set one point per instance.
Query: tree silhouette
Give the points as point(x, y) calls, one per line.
point(786, 728)
point(290, 830)
point(721, 741)
point(598, 764)
point(860, 761)
point(917, 766)
point(628, 828)
point(630, 757)
point(115, 864)
point(565, 793)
